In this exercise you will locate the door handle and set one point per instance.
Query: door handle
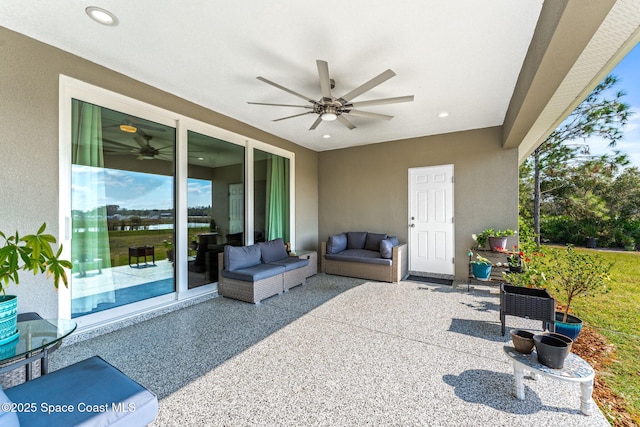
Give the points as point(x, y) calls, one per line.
point(412, 225)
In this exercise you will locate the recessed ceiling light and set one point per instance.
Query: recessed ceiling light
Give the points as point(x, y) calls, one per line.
point(200, 158)
point(101, 16)
point(443, 114)
point(326, 136)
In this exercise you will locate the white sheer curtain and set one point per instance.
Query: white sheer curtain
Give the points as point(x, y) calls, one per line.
point(90, 239)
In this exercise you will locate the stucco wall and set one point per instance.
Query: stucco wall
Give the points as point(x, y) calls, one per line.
point(29, 86)
point(366, 188)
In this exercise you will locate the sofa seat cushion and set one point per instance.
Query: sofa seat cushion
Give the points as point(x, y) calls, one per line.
point(98, 393)
point(273, 250)
point(359, 255)
point(291, 263)
point(254, 273)
point(240, 257)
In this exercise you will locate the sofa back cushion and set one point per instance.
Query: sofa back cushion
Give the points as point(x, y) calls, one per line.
point(239, 257)
point(373, 241)
point(8, 417)
point(273, 250)
point(356, 239)
point(337, 243)
point(386, 247)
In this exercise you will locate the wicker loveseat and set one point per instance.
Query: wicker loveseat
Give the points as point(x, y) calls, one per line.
point(253, 273)
point(373, 256)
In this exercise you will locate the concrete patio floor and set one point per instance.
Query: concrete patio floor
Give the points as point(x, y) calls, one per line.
point(336, 351)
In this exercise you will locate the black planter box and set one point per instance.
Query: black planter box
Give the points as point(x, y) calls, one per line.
point(530, 303)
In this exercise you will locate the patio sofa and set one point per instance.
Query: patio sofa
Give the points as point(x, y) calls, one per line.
point(253, 273)
point(373, 256)
point(90, 392)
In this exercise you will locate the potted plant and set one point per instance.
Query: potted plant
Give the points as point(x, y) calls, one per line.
point(497, 238)
point(33, 253)
point(514, 259)
point(574, 275)
point(481, 268)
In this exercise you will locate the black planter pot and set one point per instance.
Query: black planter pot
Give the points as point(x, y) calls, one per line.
point(592, 242)
point(515, 269)
point(551, 350)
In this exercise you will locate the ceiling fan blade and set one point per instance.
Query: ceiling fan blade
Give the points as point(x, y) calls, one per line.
point(280, 105)
point(370, 115)
point(119, 144)
point(295, 115)
point(342, 119)
point(379, 79)
point(325, 82)
point(394, 100)
point(316, 123)
point(306, 98)
point(141, 142)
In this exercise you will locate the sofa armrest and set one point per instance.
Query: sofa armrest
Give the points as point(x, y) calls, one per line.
point(400, 262)
point(323, 251)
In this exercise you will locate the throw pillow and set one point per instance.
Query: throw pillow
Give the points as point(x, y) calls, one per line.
point(386, 247)
point(238, 257)
point(273, 250)
point(337, 243)
point(373, 241)
point(356, 239)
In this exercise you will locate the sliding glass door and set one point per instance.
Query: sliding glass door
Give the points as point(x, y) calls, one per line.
point(122, 201)
point(215, 202)
point(150, 199)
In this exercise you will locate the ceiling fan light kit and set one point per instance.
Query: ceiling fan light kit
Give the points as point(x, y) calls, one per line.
point(329, 108)
point(128, 128)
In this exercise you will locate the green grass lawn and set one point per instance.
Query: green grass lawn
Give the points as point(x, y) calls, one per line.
point(616, 315)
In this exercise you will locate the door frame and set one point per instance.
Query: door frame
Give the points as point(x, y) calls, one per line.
point(453, 228)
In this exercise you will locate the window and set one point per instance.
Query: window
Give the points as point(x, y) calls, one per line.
point(149, 198)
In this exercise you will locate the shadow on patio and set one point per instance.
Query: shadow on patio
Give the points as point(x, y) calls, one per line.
point(337, 351)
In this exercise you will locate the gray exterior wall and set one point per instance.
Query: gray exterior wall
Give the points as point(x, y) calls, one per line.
point(29, 90)
point(366, 188)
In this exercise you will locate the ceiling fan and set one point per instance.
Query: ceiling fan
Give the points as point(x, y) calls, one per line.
point(329, 108)
point(145, 151)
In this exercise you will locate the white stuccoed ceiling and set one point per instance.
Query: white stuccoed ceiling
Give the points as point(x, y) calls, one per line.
point(461, 56)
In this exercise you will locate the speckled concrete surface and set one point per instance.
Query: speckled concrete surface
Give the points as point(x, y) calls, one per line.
point(336, 351)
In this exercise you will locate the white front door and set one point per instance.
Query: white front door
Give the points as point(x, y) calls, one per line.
point(431, 239)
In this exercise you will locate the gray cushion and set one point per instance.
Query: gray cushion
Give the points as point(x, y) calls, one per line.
point(291, 263)
point(254, 273)
point(273, 250)
point(373, 241)
point(239, 257)
point(359, 255)
point(356, 239)
point(337, 243)
point(7, 418)
point(386, 247)
point(83, 385)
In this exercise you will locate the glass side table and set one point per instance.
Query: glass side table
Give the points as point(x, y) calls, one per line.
point(35, 339)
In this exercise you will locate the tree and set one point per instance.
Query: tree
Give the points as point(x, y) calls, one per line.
point(564, 154)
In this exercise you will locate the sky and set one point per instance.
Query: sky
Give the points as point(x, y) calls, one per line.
point(628, 73)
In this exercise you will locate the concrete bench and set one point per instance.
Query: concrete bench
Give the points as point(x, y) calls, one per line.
point(90, 392)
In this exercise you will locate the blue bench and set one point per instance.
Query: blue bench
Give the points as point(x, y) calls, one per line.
point(90, 392)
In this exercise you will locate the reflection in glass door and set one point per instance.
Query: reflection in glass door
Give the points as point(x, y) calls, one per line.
point(215, 201)
point(122, 202)
point(271, 196)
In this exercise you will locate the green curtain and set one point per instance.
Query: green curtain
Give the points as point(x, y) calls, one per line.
point(277, 215)
point(90, 250)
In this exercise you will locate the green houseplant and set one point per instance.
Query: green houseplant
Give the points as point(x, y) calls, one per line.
point(481, 268)
point(31, 253)
point(574, 275)
point(497, 238)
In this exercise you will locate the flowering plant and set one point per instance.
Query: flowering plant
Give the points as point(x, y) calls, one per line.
point(534, 269)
